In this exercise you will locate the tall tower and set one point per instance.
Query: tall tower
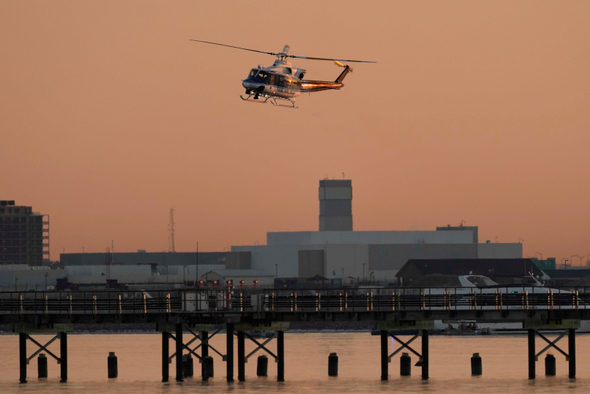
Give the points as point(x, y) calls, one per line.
point(335, 205)
point(171, 246)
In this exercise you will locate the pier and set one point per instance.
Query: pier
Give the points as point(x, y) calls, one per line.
point(191, 317)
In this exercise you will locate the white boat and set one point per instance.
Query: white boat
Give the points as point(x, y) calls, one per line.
point(507, 297)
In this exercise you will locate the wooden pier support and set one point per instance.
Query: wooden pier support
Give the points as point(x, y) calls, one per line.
point(229, 328)
point(206, 373)
point(476, 367)
point(188, 367)
point(550, 365)
point(333, 364)
point(532, 354)
point(42, 366)
point(281, 356)
point(205, 344)
point(241, 357)
point(112, 366)
point(262, 366)
point(568, 325)
point(63, 355)
point(572, 352)
point(384, 355)
point(405, 365)
point(24, 334)
point(22, 351)
point(165, 355)
point(207, 368)
point(179, 349)
point(424, 354)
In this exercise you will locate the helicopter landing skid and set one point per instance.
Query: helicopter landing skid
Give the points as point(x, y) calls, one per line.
point(275, 101)
point(253, 98)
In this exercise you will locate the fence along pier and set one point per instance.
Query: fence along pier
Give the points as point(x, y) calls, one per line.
point(200, 314)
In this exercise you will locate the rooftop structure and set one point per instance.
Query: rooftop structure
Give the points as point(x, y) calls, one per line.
point(335, 205)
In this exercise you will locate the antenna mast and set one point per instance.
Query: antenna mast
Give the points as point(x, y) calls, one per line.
point(171, 247)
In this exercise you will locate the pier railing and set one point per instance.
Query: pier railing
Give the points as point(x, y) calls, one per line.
point(211, 301)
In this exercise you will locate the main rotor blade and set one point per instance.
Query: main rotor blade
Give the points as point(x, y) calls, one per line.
point(332, 60)
point(231, 46)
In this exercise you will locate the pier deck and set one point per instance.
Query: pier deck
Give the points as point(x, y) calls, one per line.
point(240, 310)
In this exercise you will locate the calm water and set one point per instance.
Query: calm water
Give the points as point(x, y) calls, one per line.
point(306, 367)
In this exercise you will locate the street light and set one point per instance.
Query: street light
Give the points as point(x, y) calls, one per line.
point(364, 271)
point(564, 262)
point(572, 259)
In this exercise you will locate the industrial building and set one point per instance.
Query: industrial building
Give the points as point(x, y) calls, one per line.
point(337, 251)
point(24, 235)
point(141, 267)
point(158, 259)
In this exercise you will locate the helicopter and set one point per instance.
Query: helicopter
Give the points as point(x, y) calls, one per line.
point(281, 83)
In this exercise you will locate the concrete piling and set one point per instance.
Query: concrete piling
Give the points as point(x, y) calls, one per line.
point(262, 366)
point(112, 365)
point(207, 368)
point(405, 365)
point(42, 366)
point(550, 365)
point(476, 367)
point(333, 364)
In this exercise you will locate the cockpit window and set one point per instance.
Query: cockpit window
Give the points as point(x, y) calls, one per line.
point(258, 76)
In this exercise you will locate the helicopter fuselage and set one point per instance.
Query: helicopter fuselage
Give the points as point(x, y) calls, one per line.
point(282, 80)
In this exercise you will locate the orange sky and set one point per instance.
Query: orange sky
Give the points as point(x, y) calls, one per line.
point(476, 111)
